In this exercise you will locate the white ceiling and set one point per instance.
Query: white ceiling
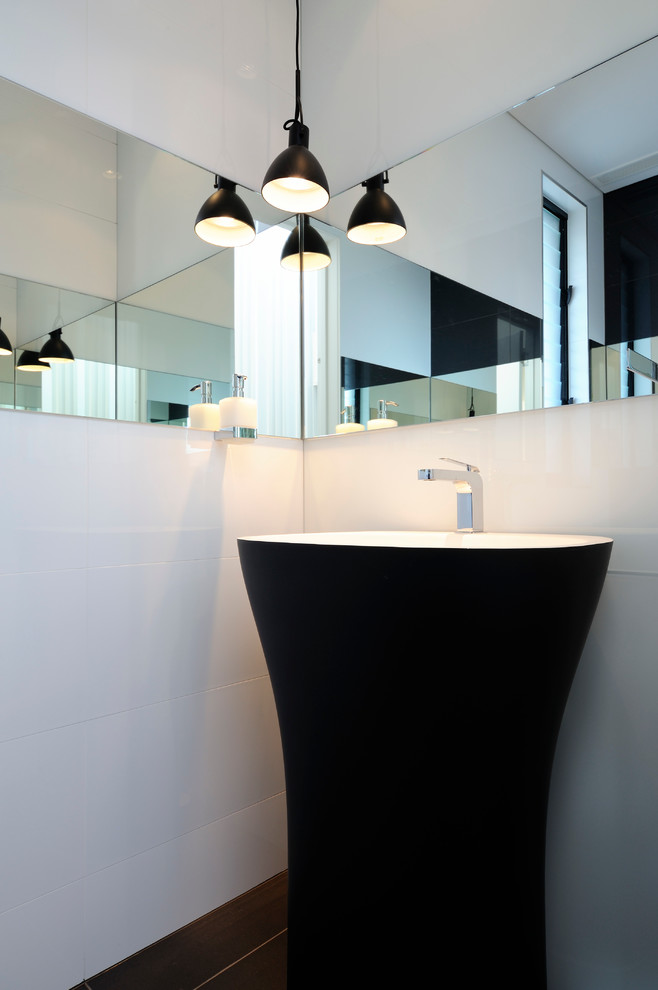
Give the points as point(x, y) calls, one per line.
point(603, 122)
point(212, 81)
point(382, 80)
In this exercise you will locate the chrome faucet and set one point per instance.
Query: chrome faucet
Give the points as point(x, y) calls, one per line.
point(468, 482)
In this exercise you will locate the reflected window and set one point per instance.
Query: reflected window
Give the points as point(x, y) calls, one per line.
point(556, 295)
point(566, 330)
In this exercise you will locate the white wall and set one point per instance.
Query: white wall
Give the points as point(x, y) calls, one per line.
point(576, 469)
point(140, 764)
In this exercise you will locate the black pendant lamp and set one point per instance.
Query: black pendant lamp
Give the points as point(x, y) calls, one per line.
point(29, 361)
point(224, 219)
point(295, 181)
point(315, 251)
point(55, 351)
point(376, 218)
point(5, 345)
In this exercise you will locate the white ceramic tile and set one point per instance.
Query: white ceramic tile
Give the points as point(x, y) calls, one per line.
point(42, 942)
point(138, 901)
point(44, 517)
point(157, 772)
point(370, 480)
point(577, 469)
point(153, 496)
point(44, 46)
point(262, 490)
point(161, 631)
point(603, 815)
point(42, 675)
point(41, 830)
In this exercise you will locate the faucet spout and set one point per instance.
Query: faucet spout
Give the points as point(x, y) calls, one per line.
point(470, 495)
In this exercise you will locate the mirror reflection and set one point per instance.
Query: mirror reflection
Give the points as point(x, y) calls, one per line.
point(524, 314)
point(433, 346)
point(526, 277)
point(82, 387)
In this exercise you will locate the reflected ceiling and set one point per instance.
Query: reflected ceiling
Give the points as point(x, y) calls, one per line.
point(603, 122)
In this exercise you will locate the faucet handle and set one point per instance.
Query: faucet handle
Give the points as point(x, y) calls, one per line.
point(461, 464)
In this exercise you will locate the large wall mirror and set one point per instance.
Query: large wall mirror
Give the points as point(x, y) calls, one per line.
point(98, 242)
point(468, 315)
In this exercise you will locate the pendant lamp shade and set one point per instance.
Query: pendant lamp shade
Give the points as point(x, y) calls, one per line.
point(29, 361)
point(5, 345)
point(376, 218)
point(295, 181)
point(316, 253)
point(55, 350)
point(224, 219)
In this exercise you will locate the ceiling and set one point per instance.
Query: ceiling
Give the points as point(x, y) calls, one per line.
point(382, 80)
point(212, 81)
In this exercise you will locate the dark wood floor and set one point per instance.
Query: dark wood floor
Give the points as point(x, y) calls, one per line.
point(240, 946)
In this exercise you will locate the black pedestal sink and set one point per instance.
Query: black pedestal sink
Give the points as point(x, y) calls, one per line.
point(420, 681)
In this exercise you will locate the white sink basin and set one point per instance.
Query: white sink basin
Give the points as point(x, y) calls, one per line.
point(430, 539)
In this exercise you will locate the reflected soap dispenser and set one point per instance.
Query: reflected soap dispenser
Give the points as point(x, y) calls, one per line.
point(238, 416)
point(383, 422)
point(348, 425)
point(205, 414)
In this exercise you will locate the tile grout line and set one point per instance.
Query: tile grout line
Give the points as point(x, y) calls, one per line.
point(241, 959)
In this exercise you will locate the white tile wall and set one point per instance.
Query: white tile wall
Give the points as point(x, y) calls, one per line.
point(140, 759)
point(42, 786)
point(589, 469)
point(130, 904)
point(139, 751)
point(57, 920)
point(44, 522)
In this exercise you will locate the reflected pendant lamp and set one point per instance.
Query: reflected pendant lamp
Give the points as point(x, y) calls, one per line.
point(5, 345)
point(376, 218)
point(55, 350)
point(29, 361)
point(224, 219)
point(295, 181)
point(315, 252)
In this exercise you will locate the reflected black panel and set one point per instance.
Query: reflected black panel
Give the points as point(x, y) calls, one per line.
point(362, 374)
point(472, 330)
point(631, 261)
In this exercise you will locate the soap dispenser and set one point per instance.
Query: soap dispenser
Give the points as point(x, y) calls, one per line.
point(383, 422)
point(348, 425)
point(238, 416)
point(205, 414)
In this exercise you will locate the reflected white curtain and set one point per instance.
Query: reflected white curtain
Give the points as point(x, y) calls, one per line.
point(83, 388)
point(267, 333)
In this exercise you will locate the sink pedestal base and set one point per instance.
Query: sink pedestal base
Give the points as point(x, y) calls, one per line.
point(419, 718)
